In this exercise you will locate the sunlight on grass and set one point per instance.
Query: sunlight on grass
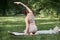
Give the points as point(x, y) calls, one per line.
point(13, 25)
point(50, 23)
point(47, 18)
point(11, 19)
point(17, 24)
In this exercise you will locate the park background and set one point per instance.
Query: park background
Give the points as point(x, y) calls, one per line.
point(47, 15)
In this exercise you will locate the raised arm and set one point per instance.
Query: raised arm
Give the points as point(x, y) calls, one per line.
point(28, 9)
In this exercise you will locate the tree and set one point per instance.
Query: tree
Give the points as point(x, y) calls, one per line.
point(3, 6)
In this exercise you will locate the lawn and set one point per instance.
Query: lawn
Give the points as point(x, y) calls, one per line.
point(17, 24)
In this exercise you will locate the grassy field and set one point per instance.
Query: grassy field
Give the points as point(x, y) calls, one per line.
point(17, 24)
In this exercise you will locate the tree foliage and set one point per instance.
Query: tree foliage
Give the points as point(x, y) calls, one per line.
point(42, 7)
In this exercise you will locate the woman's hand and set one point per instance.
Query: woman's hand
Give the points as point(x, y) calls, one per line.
point(17, 2)
point(26, 31)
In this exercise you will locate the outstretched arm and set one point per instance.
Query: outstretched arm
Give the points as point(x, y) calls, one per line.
point(28, 9)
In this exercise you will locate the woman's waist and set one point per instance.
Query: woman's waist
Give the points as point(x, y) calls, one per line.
point(32, 23)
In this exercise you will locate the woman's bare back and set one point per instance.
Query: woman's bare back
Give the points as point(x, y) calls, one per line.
point(31, 18)
point(32, 26)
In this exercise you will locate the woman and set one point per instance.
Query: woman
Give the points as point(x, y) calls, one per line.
point(29, 20)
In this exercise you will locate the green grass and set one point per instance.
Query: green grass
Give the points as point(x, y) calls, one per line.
point(17, 24)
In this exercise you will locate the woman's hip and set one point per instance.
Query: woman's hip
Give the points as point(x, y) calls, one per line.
point(32, 28)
